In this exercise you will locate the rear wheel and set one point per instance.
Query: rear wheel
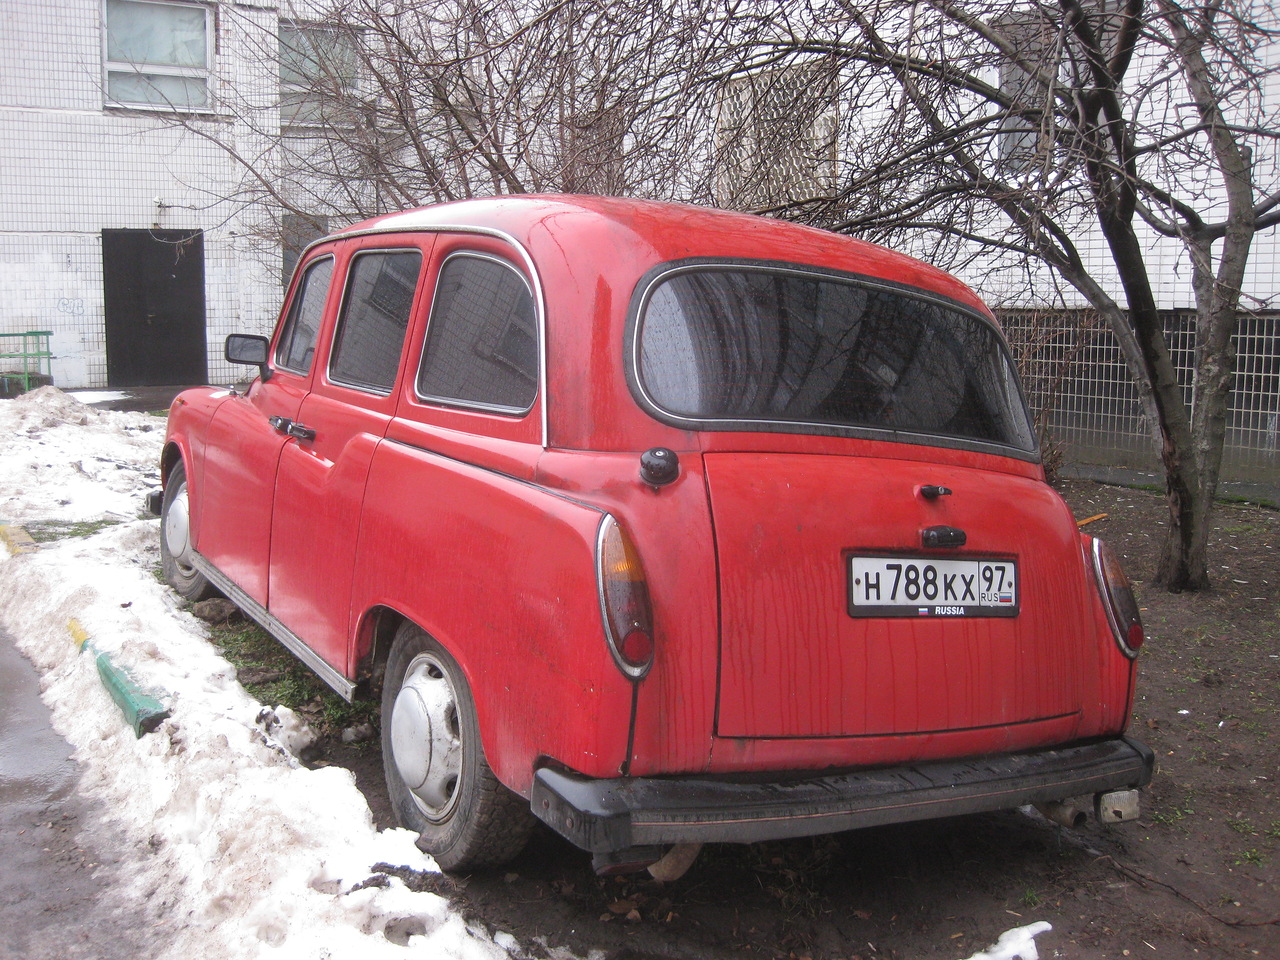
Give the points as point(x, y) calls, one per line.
point(175, 540)
point(438, 780)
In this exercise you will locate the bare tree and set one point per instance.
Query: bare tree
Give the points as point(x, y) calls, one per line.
point(387, 104)
point(1008, 135)
point(1033, 128)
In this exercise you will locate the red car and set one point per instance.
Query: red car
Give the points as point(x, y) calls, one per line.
point(661, 525)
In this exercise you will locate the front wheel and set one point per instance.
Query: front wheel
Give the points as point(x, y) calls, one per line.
point(175, 540)
point(439, 782)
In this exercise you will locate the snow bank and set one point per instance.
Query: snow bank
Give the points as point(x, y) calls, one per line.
point(254, 855)
point(63, 461)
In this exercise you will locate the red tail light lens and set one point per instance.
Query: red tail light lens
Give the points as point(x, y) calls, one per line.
point(1117, 598)
point(624, 600)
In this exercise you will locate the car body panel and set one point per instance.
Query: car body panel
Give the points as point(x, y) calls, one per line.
point(528, 660)
point(238, 478)
point(315, 521)
point(794, 663)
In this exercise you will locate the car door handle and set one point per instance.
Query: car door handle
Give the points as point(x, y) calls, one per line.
point(291, 428)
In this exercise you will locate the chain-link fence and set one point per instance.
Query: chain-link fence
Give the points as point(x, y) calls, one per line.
point(1087, 409)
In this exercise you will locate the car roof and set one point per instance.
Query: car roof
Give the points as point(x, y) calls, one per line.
point(659, 232)
point(588, 258)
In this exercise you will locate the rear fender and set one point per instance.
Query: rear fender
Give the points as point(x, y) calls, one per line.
point(502, 574)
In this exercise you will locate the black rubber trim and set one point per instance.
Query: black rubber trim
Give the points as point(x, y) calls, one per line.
point(610, 815)
point(650, 280)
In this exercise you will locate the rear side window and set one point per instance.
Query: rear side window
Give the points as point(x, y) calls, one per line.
point(763, 348)
point(482, 341)
point(302, 324)
point(375, 317)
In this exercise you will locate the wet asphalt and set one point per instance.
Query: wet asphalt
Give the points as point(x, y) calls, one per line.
point(60, 861)
point(62, 866)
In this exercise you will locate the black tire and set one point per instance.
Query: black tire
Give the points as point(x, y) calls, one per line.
point(175, 540)
point(464, 816)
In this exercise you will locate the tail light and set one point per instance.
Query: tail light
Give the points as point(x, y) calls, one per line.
point(624, 600)
point(1117, 598)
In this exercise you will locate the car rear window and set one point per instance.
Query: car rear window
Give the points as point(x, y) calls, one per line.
point(777, 348)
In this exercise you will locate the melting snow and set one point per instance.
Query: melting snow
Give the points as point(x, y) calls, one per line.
point(258, 856)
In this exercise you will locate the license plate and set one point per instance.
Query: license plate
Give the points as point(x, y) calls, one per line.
point(927, 587)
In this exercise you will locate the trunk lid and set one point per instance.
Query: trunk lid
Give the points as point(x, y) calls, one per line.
point(794, 660)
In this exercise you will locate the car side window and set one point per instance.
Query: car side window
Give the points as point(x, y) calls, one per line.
point(302, 324)
point(374, 319)
point(482, 342)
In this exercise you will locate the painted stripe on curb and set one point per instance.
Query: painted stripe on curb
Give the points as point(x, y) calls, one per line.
point(17, 540)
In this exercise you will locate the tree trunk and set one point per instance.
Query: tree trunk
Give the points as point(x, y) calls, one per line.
point(1183, 562)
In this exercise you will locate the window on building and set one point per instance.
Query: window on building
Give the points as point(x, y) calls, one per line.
point(158, 54)
point(1024, 134)
point(482, 344)
point(776, 136)
point(297, 232)
point(375, 316)
point(318, 72)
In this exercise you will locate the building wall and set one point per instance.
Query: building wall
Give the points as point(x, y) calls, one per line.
point(74, 166)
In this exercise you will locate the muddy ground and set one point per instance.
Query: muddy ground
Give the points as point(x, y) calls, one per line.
point(1197, 876)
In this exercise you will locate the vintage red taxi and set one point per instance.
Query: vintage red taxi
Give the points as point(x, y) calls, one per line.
point(661, 525)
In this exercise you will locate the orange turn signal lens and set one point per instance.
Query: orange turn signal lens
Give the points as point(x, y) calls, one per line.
point(624, 600)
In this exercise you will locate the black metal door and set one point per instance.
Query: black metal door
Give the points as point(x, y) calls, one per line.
point(153, 287)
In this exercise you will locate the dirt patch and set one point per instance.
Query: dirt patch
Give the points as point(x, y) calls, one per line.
point(1197, 876)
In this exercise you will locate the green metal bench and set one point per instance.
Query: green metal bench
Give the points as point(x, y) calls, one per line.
point(31, 349)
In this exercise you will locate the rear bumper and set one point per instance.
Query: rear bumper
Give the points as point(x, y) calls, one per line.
point(605, 816)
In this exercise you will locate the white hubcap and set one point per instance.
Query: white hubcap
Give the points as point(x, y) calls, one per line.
point(177, 529)
point(425, 737)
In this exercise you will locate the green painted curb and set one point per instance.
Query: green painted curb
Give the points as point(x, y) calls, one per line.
point(143, 711)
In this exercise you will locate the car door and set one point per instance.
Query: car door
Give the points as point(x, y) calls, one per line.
point(323, 467)
point(238, 472)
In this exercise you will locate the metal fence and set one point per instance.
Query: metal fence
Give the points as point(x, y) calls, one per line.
point(1087, 408)
point(24, 361)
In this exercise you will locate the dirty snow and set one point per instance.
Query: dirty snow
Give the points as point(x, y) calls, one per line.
point(98, 396)
point(245, 852)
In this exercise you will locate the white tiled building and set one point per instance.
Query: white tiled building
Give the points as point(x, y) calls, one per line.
point(118, 237)
point(112, 234)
